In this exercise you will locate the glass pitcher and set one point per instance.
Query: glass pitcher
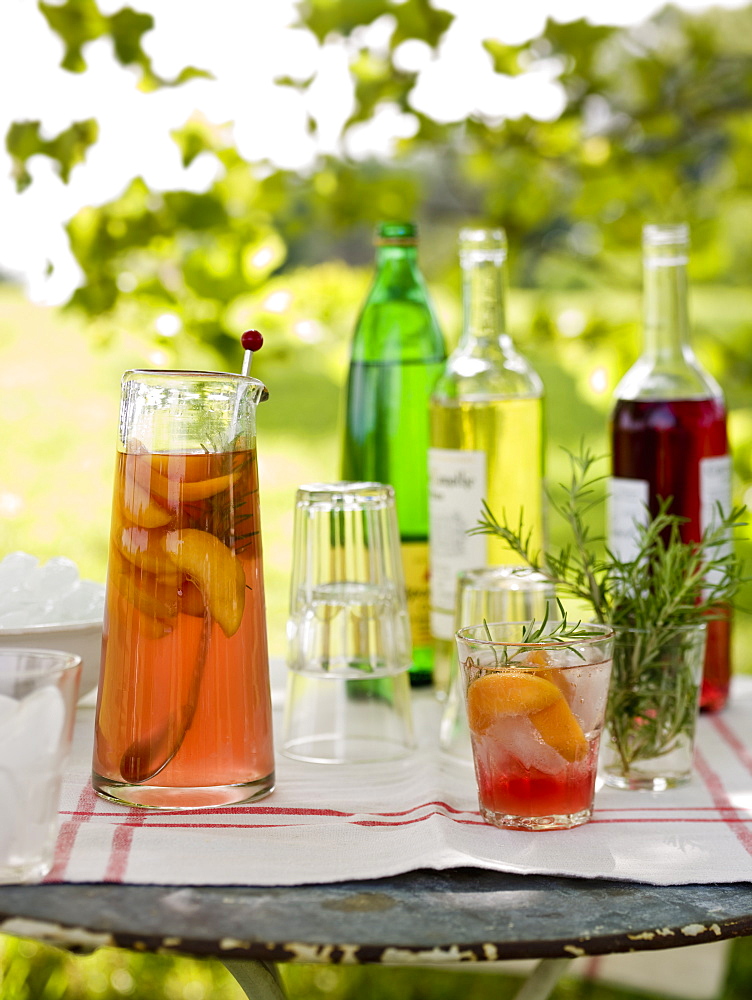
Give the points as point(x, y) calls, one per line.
point(183, 717)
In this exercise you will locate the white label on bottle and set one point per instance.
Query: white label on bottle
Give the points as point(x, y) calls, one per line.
point(627, 511)
point(457, 488)
point(715, 491)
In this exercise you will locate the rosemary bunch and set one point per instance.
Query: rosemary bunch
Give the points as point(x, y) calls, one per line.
point(652, 601)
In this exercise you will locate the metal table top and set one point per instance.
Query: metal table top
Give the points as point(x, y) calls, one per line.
point(419, 917)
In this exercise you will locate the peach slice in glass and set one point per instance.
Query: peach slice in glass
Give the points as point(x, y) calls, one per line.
point(145, 549)
point(518, 692)
point(145, 591)
point(215, 570)
point(175, 491)
point(140, 508)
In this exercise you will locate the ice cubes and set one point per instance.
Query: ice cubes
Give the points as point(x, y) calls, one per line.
point(31, 761)
point(52, 593)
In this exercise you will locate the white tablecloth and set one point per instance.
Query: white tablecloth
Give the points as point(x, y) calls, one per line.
point(332, 823)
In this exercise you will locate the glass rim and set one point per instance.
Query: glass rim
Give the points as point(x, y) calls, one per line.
point(605, 632)
point(192, 374)
point(696, 627)
point(661, 234)
point(66, 662)
point(504, 572)
point(346, 492)
point(179, 375)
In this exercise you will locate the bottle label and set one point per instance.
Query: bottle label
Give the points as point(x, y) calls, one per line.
point(627, 509)
point(457, 488)
point(415, 569)
point(715, 491)
point(715, 488)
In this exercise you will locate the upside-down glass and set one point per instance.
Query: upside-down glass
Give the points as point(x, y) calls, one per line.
point(535, 712)
point(491, 594)
point(349, 649)
point(183, 716)
point(38, 694)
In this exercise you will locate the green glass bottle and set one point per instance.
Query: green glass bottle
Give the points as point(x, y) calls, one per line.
point(397, 355)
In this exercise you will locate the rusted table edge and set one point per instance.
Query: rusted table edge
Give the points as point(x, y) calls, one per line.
point(79, 939)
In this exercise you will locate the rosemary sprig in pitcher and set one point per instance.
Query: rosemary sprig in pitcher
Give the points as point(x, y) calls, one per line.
point(669, 586)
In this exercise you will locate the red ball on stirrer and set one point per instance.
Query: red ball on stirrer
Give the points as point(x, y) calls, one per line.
point(251, 341)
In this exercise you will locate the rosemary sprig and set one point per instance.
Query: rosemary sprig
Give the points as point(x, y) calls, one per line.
point(561, 633)
point(668, 587)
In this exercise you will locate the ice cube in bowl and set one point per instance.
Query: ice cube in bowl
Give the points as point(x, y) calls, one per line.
point(82, 638)
point(48, 606)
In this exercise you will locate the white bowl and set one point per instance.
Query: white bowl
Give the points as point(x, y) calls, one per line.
point(82, 638)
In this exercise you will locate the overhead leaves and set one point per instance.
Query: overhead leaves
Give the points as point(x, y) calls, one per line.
point(78, 22)
point(69, 147)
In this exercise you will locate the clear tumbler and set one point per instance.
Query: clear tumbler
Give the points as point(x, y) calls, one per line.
point(349, 648)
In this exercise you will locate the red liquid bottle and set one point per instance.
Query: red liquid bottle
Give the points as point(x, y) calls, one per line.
point(668, 433)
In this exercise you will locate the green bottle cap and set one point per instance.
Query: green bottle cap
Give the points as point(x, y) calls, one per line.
point(396, 234)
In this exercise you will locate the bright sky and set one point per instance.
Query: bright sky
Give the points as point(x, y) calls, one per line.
point(248, 43)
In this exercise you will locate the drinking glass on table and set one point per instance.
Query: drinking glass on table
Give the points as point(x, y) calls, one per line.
point(38, 695)
point(535, 711)
point(349, 648)
point(183, 716)
point(492, 594)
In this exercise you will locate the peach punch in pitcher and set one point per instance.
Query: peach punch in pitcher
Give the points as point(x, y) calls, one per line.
point(183, 715)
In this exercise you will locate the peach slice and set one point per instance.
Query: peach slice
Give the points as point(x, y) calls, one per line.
point(215, 570)
point(146, 550)
point(561, 730)
point(127, 615)
point(521, 693)
point(191, 599)
point(140, 508)
point(550, 673)
point(175, 491)
point(188, 467)
point(144, 591)
point(513, 692)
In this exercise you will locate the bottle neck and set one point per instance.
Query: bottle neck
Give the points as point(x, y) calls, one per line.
point(665, 309)
point(483, 302)
point(396, 256)
point(667, 367)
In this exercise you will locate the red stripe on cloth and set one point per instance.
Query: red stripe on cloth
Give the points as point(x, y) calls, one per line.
point(418, 819)
point(676, 819)
point(153, 823)
point(120, 849)
point(739, 748)
point(68, 832)
point(655, 809)
point(723, 803)
point(285, 811)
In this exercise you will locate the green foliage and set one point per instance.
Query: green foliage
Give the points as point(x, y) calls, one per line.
point(78, 22)
point(413, 18)
point(654, 125)
point(69, 147)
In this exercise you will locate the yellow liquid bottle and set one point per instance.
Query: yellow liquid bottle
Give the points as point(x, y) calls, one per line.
point(487, 441)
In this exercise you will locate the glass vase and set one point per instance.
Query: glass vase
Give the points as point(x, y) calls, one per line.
point(652, 707)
